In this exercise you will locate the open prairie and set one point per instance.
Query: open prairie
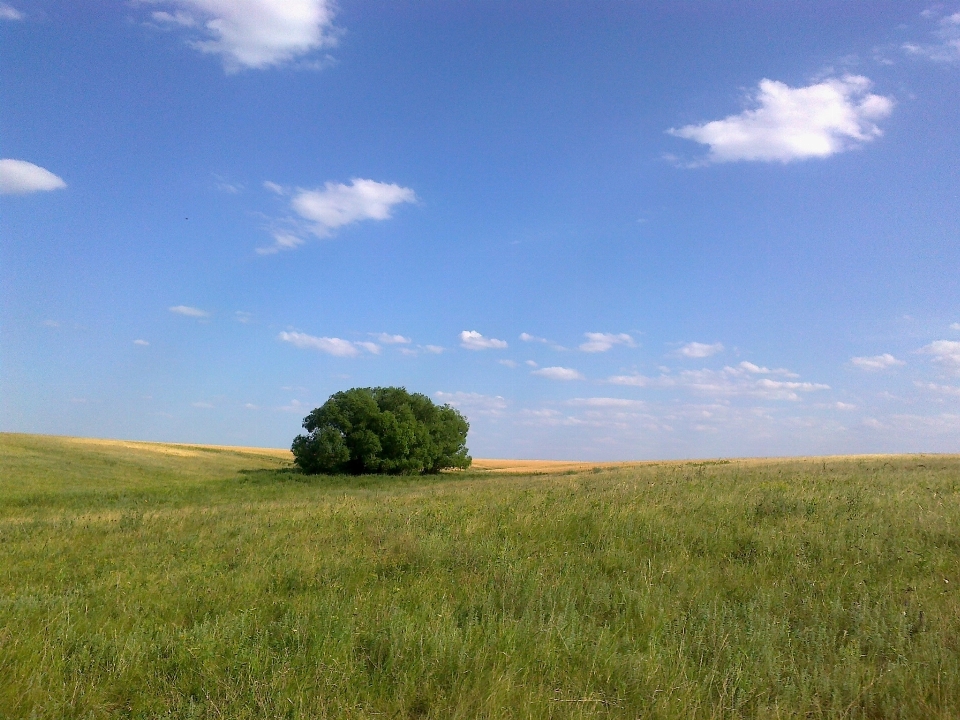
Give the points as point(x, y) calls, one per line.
point(183, 581)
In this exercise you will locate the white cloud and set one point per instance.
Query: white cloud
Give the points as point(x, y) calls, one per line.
point(508, 363)
point(635, 380)
point(242, 317)
point(946, 44)
point(19, 177)
point(388, 339)
point(955, 326)
point(700, 350)
point(946, 352)
point(876, 362)
point(432, 349)
point(527, 337)
point(472, 340)
point(274, 187)
point(9, 13)
point(253, 33)
point(324, 210)
point(601, 342)
point(788, 123)
point(143, 343)
point(203, 405)
point(330, 345)
point(189, 311)
point(939, 389)
point(175, 18)
point(606, 402)
point(757, 370)
point(739, 381)
point(338, 204)
point(744, 380)
point(369, 347)
point(558, 373)
point(282, 240)
point(473, 403)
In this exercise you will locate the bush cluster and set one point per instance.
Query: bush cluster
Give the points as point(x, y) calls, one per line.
point(381, 430)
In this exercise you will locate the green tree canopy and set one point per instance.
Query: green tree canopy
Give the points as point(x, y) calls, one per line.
point(381, 430)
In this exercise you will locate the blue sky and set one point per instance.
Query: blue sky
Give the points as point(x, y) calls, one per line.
point(602, 230)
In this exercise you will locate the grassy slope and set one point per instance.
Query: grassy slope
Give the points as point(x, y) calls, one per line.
point(213, 583)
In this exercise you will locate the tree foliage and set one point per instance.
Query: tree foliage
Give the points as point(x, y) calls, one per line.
point(382, 430)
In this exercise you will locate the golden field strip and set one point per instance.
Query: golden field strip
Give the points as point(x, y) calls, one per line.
point(146, 580)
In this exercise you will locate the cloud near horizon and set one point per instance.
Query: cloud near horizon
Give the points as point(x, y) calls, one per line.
point(472, 340)
point(335, 205)
point(329, 345)
point(252, 34)
point(743, 380)
point(471, 403)
point(19, 177)
point(787, 124)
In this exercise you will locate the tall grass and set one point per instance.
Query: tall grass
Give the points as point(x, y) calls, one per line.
point(219, 584)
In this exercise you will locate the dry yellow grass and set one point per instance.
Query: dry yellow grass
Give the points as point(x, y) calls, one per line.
point(178, 449)
point(492, 465)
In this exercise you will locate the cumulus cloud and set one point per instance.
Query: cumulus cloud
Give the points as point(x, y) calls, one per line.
point(329, 345)
point(189, 311)
point(815, 121)
point(700, 350)
point(558, 373)
point(601, 342)
point(252, 33)
point(432, 349)
point(945, 352)
point(472, 340)
point(876, 362)
point(9, 13)
point(955, 326)
point(324, 210)
point(143, 343)
point(388, 339)
point(19, 177)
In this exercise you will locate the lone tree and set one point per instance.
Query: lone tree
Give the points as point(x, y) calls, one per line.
point(381, 430)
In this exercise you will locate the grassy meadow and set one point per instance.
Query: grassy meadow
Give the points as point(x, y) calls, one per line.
point(160, 581)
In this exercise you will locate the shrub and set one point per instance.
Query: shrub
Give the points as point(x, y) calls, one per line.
point(381, 430)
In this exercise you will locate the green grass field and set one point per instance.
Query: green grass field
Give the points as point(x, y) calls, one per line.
point(179, 582)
